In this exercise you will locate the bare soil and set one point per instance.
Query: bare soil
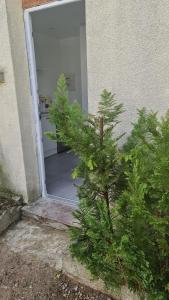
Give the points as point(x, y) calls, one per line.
point(22, 278)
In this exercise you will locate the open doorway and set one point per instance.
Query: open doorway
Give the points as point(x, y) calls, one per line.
point(59, 46)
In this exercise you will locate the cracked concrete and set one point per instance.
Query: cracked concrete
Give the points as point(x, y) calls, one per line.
point(43, 243)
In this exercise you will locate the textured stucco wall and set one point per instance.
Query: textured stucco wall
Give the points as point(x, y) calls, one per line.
point(128, 53)
point(17, 142)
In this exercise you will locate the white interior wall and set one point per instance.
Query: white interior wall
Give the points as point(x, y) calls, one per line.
point(70, 62)
point(48, 65)
point(56, 56)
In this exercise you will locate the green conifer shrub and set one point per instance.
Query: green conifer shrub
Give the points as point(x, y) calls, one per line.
point(145, 203)
point(123, 237)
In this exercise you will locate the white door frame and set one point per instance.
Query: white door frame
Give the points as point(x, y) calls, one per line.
point(34, 84)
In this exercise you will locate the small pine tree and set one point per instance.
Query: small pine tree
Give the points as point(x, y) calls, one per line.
point(90, 137)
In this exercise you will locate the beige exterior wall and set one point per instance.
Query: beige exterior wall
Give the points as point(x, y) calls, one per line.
point(17, 141)
point(128, 53)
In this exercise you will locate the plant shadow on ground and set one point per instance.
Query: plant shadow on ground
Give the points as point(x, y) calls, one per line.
point(24, 278)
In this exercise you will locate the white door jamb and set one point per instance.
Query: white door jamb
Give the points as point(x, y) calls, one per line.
point(34, 83)
point(35, 99)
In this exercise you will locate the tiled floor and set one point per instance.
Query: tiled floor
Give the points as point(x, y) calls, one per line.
point(59, 181)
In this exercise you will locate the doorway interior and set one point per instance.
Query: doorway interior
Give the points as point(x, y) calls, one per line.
point(57, 45)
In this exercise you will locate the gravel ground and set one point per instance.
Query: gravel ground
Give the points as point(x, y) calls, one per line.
point(22, 278)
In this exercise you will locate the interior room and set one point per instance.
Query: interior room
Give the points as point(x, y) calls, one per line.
point(59, 35)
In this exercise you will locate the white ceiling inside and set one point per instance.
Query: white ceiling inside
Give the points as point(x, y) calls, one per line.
point(60, 21)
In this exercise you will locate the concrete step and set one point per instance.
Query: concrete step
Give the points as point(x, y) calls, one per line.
point(51, 213)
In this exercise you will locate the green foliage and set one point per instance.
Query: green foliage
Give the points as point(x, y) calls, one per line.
point(90, 137)
point(123, 237)
point(145, 203)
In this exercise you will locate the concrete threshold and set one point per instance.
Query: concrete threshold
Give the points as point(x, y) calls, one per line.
point(53, 213)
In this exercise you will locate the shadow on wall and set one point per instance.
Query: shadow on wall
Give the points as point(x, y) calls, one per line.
point(4, 181)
